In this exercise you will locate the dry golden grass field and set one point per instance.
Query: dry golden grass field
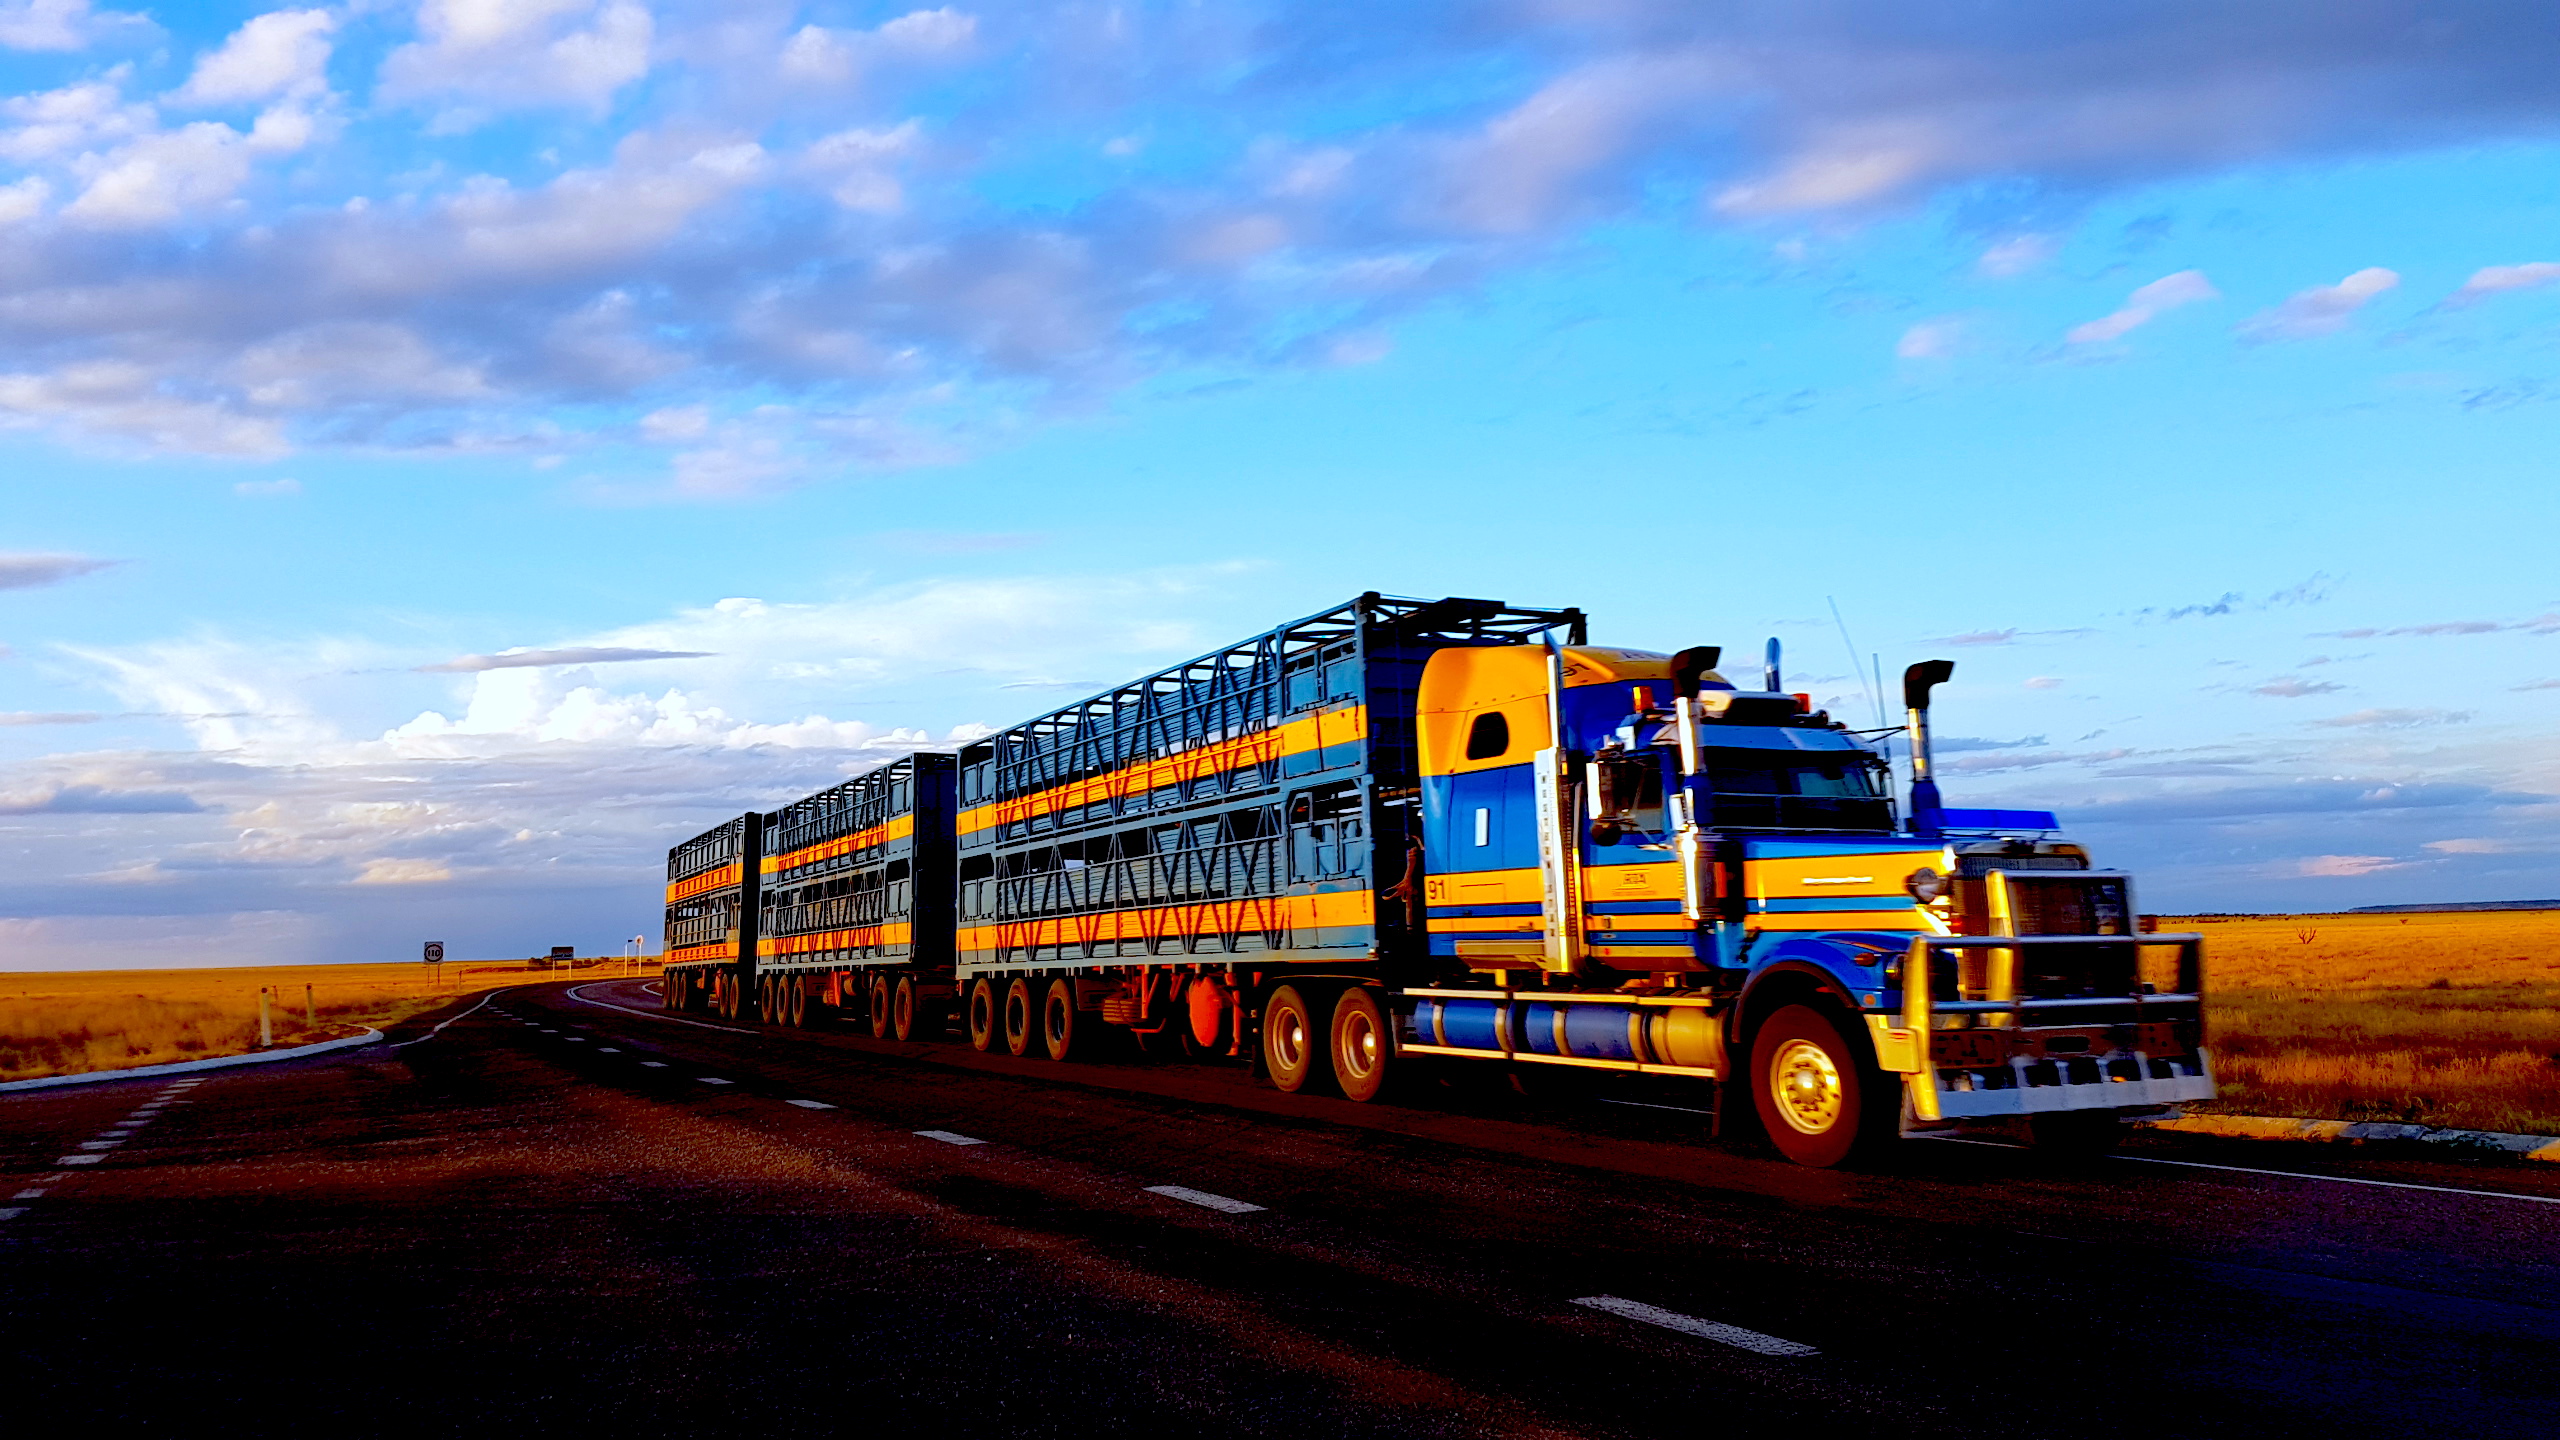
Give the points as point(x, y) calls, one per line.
point(2448, 1019)
point(60, 1022)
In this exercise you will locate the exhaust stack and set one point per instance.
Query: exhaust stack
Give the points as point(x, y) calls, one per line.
point(1917, 682)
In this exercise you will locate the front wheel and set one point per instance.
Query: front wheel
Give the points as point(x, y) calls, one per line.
point(1819, 1101)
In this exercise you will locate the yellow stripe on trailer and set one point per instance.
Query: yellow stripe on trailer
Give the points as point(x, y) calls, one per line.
point(859, 937)
point(1320, 731)
point(897, 827)
point(717, 878)
point(1172, 922)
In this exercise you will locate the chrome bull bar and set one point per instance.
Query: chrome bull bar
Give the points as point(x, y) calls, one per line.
point(1906, 1048)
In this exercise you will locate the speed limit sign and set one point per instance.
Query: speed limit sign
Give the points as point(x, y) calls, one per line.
point(435, 952)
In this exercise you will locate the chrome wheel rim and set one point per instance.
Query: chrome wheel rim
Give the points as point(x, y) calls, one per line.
point(1289, 1041)
point(1359, 1045)
point(1807, 1087)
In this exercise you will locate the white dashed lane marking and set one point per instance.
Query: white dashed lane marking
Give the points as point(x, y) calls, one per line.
point(100, 1144)
point(710, 1079)
point(29, 1194)
point(79, 1159)
point(1733, 1335)
point(810, 1104)
point(948, 1138)
point(1203, 1198)
point(12, 1212)
point(655, 1064)
point(607, 1050)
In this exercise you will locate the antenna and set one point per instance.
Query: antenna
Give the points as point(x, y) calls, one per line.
point(1875, 696)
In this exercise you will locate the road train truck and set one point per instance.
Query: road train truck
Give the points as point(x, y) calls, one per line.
point(1405, 834)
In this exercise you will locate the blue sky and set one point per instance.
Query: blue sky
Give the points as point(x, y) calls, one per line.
point(452, 451)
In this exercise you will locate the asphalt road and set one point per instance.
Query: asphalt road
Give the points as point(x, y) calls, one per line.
point(558, 1216)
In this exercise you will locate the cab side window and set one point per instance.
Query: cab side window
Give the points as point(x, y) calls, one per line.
point(1489, 736)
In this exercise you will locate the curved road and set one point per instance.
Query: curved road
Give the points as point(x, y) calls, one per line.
point(569, 1212)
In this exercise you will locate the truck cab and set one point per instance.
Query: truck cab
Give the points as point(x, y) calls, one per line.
point(1652, 870)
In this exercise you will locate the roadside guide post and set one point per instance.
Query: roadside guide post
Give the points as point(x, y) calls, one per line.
point(266, 1027)
point(310, 1009)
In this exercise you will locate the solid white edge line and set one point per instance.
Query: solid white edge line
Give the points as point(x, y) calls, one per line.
point(573, 994)
point(2279, 1174)
point(430, 1035)
point(1649, 1105)
point(1205, 1200)
point(218, 1062)
point(950, 1138)
point(1733, 1335)
point(810, 1104)
point(2344, 1179)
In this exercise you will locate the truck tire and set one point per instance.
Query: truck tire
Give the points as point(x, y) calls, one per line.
point(2076, 1132)
point(882, 1016)
point(795, 1003)
point(904, 1009)
point(1290, 1051)
point(1060, 1034)
point(764, 1000)
point(1820, 1102)
point(1364, 1044)
point(982, 1014)
point(1021, 1019)
point(1204, 1019)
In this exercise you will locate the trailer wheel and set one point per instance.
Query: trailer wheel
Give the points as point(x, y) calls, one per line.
point(795, 1002)
point(1820, 1104)
point(1289, 1046)
point(902, 1009)
point(1364, 1044)
point(982, 1015)
point(881, 1015)
point(1059, 1033)
point(1021, 1019)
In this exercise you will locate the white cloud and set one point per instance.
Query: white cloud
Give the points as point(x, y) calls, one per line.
point(2017, 255)
point(1930, 339)
point(2186, 287)
point(392, 870)
point(2322, 309)
point(58, 24)
point(1535, 163)
point(2497, 279)
point(2042, 682)
point(2394, 719)
point(515, 53)
point(815, 53)
point(130, 402)
point(283, 486)
point(54, 124)
point(2345, 866)
point(26, 569)
point(859, 166)
point(1850, 167)
point(24, 199)
point(280, 53)
point(160, 177)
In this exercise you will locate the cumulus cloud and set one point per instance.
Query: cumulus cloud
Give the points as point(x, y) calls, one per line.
point(574, 655)
point(808, 213)
point(26, 569)
point(2491, 280)
point(59, 24)
point(509, 54)
point(96, 800)
point(280, 53)
point(2322, 309)
point(2149, 302)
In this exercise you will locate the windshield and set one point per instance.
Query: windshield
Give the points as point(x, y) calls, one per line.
point(1797, 790)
